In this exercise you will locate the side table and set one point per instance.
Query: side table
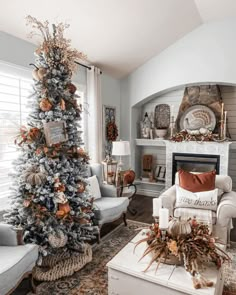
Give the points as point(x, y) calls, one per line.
point(128, 191)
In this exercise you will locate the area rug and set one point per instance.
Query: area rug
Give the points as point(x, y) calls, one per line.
point(92, 279)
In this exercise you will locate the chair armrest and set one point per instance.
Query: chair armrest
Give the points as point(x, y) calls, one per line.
point(168, 199)
point(108, 190)
point(8, 237)
point(226, 208)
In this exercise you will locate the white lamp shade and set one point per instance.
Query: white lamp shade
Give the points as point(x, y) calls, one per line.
point(120, 148)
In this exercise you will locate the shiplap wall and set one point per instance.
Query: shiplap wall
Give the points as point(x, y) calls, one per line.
point(174, 98)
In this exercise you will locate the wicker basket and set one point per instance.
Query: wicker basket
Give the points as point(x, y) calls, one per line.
point(59, 266)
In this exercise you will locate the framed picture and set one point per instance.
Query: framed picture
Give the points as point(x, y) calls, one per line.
point(109, 115)
point(55, 132)
point(160, 173)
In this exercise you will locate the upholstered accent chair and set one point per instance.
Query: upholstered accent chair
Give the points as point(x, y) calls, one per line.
point(109, 207)
point(221, 219)
point(16, 261)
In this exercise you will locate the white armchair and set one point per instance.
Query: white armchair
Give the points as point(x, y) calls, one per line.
point(16, 261)
point(109, 207)
point(226, 209)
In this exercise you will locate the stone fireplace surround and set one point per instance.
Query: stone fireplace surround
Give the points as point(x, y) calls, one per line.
point(191, 147)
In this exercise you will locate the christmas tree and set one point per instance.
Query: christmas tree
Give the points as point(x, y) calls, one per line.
point(50, 198)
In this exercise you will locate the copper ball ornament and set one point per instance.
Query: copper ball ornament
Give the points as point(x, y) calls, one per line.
point(45, 105)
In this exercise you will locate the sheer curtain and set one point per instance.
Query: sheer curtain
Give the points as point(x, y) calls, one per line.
point(93, 140)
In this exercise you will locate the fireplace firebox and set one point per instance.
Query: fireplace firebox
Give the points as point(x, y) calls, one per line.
point(195, 163)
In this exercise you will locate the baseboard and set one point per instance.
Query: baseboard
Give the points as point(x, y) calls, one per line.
point(148, 193)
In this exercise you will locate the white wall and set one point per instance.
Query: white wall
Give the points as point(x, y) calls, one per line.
point(205, 55)
point(111, 95)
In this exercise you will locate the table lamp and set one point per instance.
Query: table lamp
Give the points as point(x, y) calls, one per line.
point(120, 148)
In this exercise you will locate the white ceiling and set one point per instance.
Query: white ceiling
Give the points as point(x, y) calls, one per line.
point(117, 35)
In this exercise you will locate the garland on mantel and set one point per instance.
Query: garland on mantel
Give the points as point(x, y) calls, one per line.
point(184, 135)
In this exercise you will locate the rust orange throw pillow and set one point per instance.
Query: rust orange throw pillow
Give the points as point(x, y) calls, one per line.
point(197, 182)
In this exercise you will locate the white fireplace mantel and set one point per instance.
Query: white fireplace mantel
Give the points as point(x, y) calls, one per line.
point(191, 147)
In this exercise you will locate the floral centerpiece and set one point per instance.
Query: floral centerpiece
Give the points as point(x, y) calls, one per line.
point(187, 242)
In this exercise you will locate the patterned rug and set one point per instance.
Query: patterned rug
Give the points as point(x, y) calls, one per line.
point(92, 279)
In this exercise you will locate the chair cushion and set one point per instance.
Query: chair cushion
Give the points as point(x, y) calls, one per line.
point(14, 262)
point(200, 200)
point(94, 187)
point(202, 215)
point(197, 182)
point(109, 209)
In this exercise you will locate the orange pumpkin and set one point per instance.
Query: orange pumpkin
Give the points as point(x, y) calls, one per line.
point(129, 177)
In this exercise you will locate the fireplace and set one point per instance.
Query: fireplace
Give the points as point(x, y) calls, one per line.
point(214, 155)
point(195, 163)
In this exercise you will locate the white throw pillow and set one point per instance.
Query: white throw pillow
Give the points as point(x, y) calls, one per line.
point(202, 200)
point(94, 187)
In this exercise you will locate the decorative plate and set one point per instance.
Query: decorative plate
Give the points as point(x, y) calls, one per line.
point(196, 117)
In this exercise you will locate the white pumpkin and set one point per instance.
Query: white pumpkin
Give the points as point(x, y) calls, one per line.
point(178, 227)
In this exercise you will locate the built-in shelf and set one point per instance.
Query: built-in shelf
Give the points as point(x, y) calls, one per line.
point(148, 182)
point(150, 142)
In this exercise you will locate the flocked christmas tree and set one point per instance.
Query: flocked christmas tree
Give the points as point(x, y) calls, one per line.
point(50, 199)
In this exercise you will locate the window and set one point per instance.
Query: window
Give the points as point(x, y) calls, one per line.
point(14, 91)
point(15, 87)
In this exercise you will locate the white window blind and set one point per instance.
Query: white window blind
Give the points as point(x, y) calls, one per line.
point(15, 87)
point(14, 91)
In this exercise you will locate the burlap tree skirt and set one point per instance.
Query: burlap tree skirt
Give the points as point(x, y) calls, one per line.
point(62, 265)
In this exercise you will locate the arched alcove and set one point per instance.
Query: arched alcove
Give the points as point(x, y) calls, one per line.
point(173, 96)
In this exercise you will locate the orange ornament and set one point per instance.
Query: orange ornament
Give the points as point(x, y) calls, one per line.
point(63, 209)
point(81, 187)
point(45, 105)
point(60, 214)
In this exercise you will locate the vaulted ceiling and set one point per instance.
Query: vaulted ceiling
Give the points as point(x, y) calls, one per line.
point(117, 35)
